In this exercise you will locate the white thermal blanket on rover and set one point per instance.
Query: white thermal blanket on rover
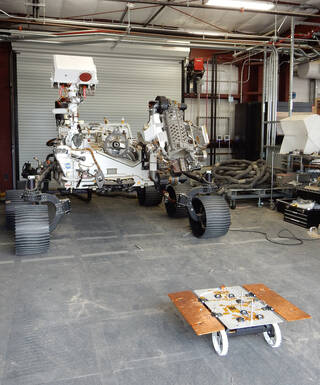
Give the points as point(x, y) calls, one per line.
point(301, 132)
point(68, 69)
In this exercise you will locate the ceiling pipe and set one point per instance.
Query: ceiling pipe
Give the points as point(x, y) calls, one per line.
point(114, 26)
point(15, 34)
point(67, 37)
point(118, 27)
point(132, 39)
point(290, 99)
point(307, 23)
point(213, 7)
point(140, 42)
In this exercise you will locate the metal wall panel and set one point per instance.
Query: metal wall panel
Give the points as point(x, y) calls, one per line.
point(126, 84)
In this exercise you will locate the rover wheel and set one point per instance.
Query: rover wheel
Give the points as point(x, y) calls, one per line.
point(11, 208)
point(32, 229)
point(220, 342)
point(273, 336)
point(14, 195)
point(149, 196)
point(13, 200)
point(172, 208)
point(213, 216)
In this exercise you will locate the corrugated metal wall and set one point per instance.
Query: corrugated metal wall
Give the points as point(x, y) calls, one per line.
point(126, 84)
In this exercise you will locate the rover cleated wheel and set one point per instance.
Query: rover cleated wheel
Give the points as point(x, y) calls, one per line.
point(273, 336)
point(213, 216)
point(13, 200)
point(173, 209)
point(220, 342)
point(32, 229)
point(14, 195)
point(11, 208)
point(149, 196)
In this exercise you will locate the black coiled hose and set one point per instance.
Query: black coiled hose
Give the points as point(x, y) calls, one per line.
point(240, 173)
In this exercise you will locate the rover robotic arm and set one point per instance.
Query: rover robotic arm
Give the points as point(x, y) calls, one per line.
point(181, 155)
point(181, 143)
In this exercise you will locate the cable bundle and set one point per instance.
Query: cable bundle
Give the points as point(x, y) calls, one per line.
point(240, 173)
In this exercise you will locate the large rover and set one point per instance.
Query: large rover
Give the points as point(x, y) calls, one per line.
point(104, 157)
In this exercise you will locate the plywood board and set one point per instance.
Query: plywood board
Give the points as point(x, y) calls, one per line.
point(195, 313)
point(284, 308)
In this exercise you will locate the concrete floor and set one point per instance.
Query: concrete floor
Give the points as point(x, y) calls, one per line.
point(95, 311)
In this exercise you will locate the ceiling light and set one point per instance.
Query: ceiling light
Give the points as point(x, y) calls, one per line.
point(242, 4)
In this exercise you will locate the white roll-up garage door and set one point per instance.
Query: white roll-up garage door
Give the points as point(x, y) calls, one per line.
point(126, 84)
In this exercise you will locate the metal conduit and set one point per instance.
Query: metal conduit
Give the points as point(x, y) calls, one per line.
point(290, 106)
point(123, 27)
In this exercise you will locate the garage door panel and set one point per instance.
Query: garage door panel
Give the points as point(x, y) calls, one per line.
point(125, 87)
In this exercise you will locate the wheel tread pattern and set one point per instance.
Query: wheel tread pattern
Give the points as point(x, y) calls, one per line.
point(149, 196)
point(173, 210)
point(12, 201)
point(217, 217)
point(32, 230)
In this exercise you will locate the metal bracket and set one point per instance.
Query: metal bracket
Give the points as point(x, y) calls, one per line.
point(186, 199)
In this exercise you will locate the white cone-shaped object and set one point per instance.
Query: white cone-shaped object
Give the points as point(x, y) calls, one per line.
point(301, 132)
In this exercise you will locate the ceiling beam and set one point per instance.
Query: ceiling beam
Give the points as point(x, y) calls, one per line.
point(188, 4)
point(123, 14)
point(152, 17)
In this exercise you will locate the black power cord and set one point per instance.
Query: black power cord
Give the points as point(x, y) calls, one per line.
point(291, 237)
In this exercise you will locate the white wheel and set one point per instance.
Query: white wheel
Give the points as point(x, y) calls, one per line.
point(220, 342)
point(273, 336)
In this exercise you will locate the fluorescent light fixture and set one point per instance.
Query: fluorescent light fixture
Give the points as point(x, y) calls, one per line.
point(242, 4)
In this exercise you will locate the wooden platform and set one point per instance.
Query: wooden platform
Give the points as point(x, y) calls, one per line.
point(284, 308)
point(195, 313)
point(202, 322)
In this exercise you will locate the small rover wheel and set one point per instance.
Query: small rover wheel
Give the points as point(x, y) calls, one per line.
point(232, 204)
point(273, 336)
point(173, 210)
point(220, 342)
point(32, 229)
point(149, 196)
point(213, 216)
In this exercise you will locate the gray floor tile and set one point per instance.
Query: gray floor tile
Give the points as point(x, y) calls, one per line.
point(141, 340)
point(50, 292)
point(84, 380)
point(192, 372)
point(104, 318)
point(48, 354)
